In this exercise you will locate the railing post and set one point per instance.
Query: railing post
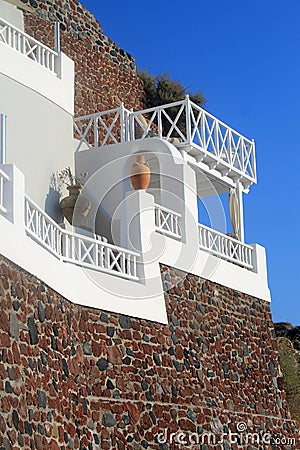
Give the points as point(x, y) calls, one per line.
point(131, 125)
point(96, 132)
point(57, 38)
point(122, 120)
point(3, 139)
point(253, 160)
point(188, 119)
point(159, 124)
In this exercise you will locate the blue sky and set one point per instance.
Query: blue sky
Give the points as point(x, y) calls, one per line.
point(245, 57)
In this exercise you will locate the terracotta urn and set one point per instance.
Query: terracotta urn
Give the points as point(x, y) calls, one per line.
point(140, 173)
point(75, 202)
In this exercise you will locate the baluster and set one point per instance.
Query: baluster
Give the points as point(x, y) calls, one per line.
point(128, 261)
point(156, 217)
point(96, 132)
point(123, 262)
point(159, 123)
point(176, 225)
point(203, 129)
point(23, 45)
point(102, 256)
point(52, 68)
point(188, 119)
point(134, 266)
point(9, 31)
point(172, 223)
point(107, 258)
point(216, 138)
point(122, 122)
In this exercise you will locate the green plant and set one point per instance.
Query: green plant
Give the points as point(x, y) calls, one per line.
point(161, 90)
point(66, 177)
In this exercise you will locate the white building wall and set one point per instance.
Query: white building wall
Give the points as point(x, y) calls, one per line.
point(39, 109)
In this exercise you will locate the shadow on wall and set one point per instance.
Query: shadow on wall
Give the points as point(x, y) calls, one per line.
point(52, 205)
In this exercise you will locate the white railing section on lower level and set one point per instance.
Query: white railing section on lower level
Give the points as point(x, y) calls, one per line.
point(91, 253)
point(76, 248)
point(3, 179)
point(167, 221)
point(42, 228)
point(27, 46)
point(225, 247)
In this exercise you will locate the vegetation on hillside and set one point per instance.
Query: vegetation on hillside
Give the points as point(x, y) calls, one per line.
point(288, 346)
point(161, 90)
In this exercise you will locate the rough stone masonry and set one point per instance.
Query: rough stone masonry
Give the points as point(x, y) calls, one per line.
point(105, 74)
point(73, 377)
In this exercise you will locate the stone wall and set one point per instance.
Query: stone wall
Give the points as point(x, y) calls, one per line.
point(78, 378)
point(105, 74)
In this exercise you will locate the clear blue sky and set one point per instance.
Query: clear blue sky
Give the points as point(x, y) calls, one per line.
point(245, 57)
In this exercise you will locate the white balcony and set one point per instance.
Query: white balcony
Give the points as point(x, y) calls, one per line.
point(29, 47)
point(209, 142)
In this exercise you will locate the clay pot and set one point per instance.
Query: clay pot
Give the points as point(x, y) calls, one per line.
point(140, 173)
point(67, 204)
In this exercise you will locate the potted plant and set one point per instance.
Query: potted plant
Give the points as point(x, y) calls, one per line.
point(74, 186)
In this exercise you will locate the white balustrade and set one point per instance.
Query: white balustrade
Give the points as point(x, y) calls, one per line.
point(93, 253)
point(225, 247)
point(27, 46)
point(76, 248)
point(103, 128)
point(183, 123)
point(42, 228)
point(3, 179)
point(167, 221)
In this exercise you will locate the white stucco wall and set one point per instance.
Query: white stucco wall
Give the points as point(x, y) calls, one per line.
point(39, 138)
point(11, 14)
point(39, 106)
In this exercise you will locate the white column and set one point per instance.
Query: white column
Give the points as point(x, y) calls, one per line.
point(138, 232)
point(239, 190)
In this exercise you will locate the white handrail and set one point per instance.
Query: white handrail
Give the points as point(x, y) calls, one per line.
point(27, 45)
point(225, 247)
point(3, 178)
point(167, 221)
point(76, 248)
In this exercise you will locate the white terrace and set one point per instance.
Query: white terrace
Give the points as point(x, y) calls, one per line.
point(210, 143)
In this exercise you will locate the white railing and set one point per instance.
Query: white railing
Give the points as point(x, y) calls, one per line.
point(225, 247)
point(189, 126)
point(42, 228)
point(89, 252)
point(27, 46)
point(167, 221)
point(76, 248)
point(103, 128)
point(3, 179)
point(183, 123)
